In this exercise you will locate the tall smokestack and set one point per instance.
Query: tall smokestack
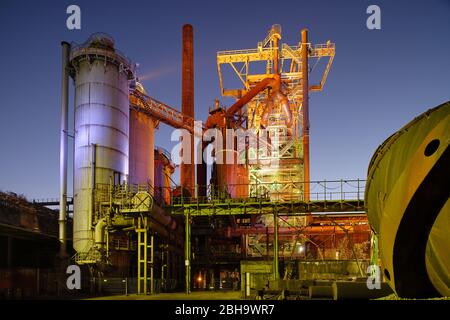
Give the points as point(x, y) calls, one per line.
point(305, 112)
point(63, 147)
point(187, 170)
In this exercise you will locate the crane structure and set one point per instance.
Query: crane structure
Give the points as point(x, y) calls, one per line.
point(272, 91)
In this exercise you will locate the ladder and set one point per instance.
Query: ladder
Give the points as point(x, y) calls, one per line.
point(145, 251)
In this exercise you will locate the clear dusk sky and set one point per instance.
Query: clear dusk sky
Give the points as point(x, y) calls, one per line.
point(379, 81)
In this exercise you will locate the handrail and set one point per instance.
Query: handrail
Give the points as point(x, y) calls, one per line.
point(240, 51)
point(294, 48)
point(333, 190)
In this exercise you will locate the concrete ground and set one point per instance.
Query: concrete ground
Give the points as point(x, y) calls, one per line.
point(196, 295)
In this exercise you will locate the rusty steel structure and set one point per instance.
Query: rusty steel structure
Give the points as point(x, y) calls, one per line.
point(274, 98)
point(187, 170)
point(305, 111)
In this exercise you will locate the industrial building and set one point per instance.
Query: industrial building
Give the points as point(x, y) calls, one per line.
point(251, 221)
point(198, 234)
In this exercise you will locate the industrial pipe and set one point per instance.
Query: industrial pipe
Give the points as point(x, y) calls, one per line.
point(358, 290)
point(216, 119)
point(305, 112)
point(308, 230)
point(275, 246)
point(145, 203)
point(126, 223)
point(285, 108)
point(160, 216)
point(62, 220)
point(99, 233)
point(272, 81)
point(187, 170)
point(320, 292)
point(276, 69)
point(93, 178)
point(187, 253)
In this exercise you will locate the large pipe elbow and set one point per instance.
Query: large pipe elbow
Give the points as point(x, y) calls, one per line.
point(99, 233)
point(272, 81)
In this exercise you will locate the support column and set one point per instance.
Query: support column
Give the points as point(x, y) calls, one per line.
point(276, 38)
point(10, 253)
point(187, 250)
point(165, 263)
point(275, 245)
point(305, 113)
point(63, 155)
point(247, 284)
point(244, 246)
point(151, 263)
point(211, 279)
point(202, 173)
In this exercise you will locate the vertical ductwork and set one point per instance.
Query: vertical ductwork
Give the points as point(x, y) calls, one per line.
point(305, 112)
point(276, 34)
point(187, 170)
point(63, 147)
point(99, 233)
point(202, 174)
point(164, 169)
point(142, 149)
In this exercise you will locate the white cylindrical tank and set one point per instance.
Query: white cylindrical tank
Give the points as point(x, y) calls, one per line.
point(101, 129)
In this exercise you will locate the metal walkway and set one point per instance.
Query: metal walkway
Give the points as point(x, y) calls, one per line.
point(251, 206)
point(330, 196)
point(160, 111)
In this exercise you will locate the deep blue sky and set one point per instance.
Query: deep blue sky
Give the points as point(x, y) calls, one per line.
point(379, 81)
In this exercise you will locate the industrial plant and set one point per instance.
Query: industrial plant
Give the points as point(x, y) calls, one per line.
point(244, 214)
